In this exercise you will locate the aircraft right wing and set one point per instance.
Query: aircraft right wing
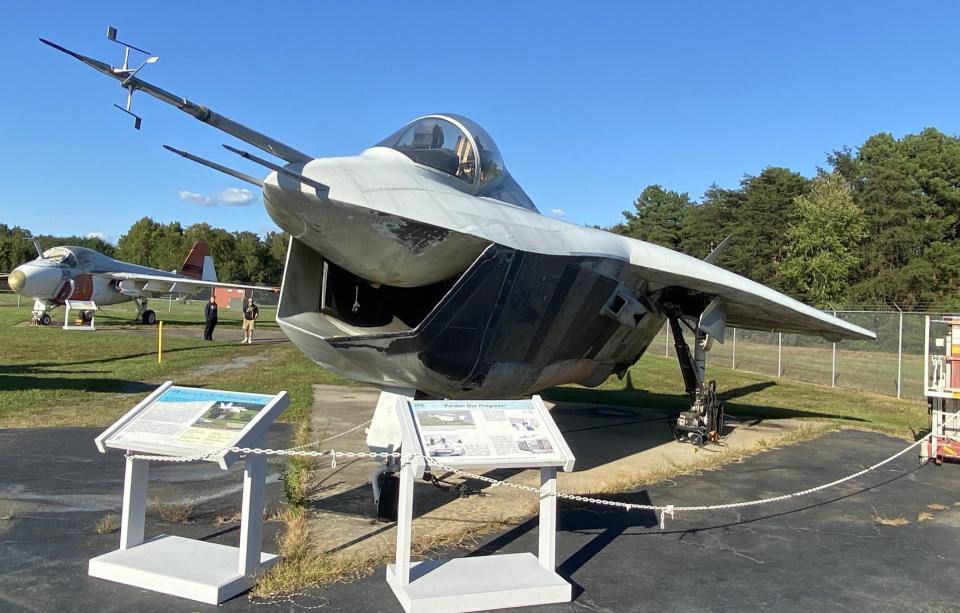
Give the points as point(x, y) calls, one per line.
point(718, 297)
point(160, 284)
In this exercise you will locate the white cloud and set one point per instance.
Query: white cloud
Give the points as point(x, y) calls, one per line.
point(104, 237)
point(232, 196)
point(195, 198)
point(236, 196)
point(558, 212)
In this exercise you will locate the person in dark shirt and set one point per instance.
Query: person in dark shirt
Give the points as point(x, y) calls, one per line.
point(250, 315)
point(210, 313)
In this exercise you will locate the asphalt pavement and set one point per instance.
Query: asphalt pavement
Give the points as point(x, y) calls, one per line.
point(884, 542)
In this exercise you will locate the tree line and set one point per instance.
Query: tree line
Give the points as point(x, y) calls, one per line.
point(879, 224)
point(240, 257)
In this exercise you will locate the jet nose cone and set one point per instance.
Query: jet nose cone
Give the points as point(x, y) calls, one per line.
point(35, 281)
point(17, 280)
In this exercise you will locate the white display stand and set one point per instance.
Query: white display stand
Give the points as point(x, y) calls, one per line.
point(198, 570)
point(79, 305)
point(476, 434)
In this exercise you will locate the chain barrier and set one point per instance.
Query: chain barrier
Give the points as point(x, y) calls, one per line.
point(664, 510)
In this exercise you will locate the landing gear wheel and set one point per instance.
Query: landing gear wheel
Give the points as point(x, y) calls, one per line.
point(44, 319)
point(389, 497)
point(148, 317)
point(86, 316)
point(696, 439)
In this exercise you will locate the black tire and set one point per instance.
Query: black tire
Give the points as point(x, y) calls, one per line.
point(87, 316)
point(148, 317)
point(696, 439)
point(45, 319)
point(389, 497)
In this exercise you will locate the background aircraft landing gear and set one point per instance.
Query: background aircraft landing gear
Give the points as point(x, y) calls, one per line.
point(43, 319)
point(144, 315)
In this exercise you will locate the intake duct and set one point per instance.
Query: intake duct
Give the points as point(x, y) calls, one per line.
point(324, 299)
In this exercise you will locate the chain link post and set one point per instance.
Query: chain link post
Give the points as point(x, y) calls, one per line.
point(733, 359)
point(779, 354)
point(899, 354)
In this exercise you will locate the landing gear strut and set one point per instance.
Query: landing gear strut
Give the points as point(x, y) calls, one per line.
point(144, 314)
point(40, 314)
point(703, 423)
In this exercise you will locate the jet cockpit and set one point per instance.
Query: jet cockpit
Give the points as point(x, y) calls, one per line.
point(459, 147)
point(62, 256)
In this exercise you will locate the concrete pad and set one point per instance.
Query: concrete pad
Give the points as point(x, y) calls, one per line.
point(615, 447)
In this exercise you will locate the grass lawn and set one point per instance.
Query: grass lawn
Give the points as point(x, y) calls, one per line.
point(55, 377)
point(655, 382)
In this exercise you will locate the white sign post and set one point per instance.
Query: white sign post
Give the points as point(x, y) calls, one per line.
point(480, 434)
point(185, 421)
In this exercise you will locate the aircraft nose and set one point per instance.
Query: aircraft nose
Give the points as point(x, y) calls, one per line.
point(35, 281)
point(17, 280)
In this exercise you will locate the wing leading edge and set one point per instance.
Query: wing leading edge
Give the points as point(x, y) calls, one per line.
point(163, 284)
point(746, 304)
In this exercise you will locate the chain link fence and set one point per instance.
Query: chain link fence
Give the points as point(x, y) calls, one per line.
point(891, 365)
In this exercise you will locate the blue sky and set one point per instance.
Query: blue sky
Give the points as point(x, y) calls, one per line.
point(589, 102)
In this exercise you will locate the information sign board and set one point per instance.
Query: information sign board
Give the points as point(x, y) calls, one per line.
point(488, 433)
point(179, 420)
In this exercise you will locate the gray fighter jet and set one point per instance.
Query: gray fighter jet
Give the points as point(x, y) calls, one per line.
point(420, 264)
point(62, 273)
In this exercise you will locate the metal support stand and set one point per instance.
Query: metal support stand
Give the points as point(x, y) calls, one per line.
point(483, 582)
point(198, 570)
point(478, 583)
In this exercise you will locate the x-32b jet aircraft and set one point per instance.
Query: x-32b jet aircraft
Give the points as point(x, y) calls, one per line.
point(421, 265)
point(77, 273)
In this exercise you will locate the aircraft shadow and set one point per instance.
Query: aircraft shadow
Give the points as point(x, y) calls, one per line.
point(644, 399)
point(610, 523)
point(24, 382)
point(37, 368)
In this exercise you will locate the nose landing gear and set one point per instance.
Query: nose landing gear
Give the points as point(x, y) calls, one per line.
point(40, 315)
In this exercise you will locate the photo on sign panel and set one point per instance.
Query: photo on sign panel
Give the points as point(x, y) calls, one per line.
point(444, 444)
point(228, 415)
point(447, 419)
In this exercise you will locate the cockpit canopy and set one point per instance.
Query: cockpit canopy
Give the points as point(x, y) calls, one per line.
point(460, 148)
point(61, 255)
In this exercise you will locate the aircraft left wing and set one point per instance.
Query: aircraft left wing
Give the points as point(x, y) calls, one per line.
point(160, 284)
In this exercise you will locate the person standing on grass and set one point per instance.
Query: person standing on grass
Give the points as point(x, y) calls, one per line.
point(250, 315)
point(210, 314)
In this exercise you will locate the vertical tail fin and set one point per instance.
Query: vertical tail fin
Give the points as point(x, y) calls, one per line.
point(209, 270)
point(193, 266)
